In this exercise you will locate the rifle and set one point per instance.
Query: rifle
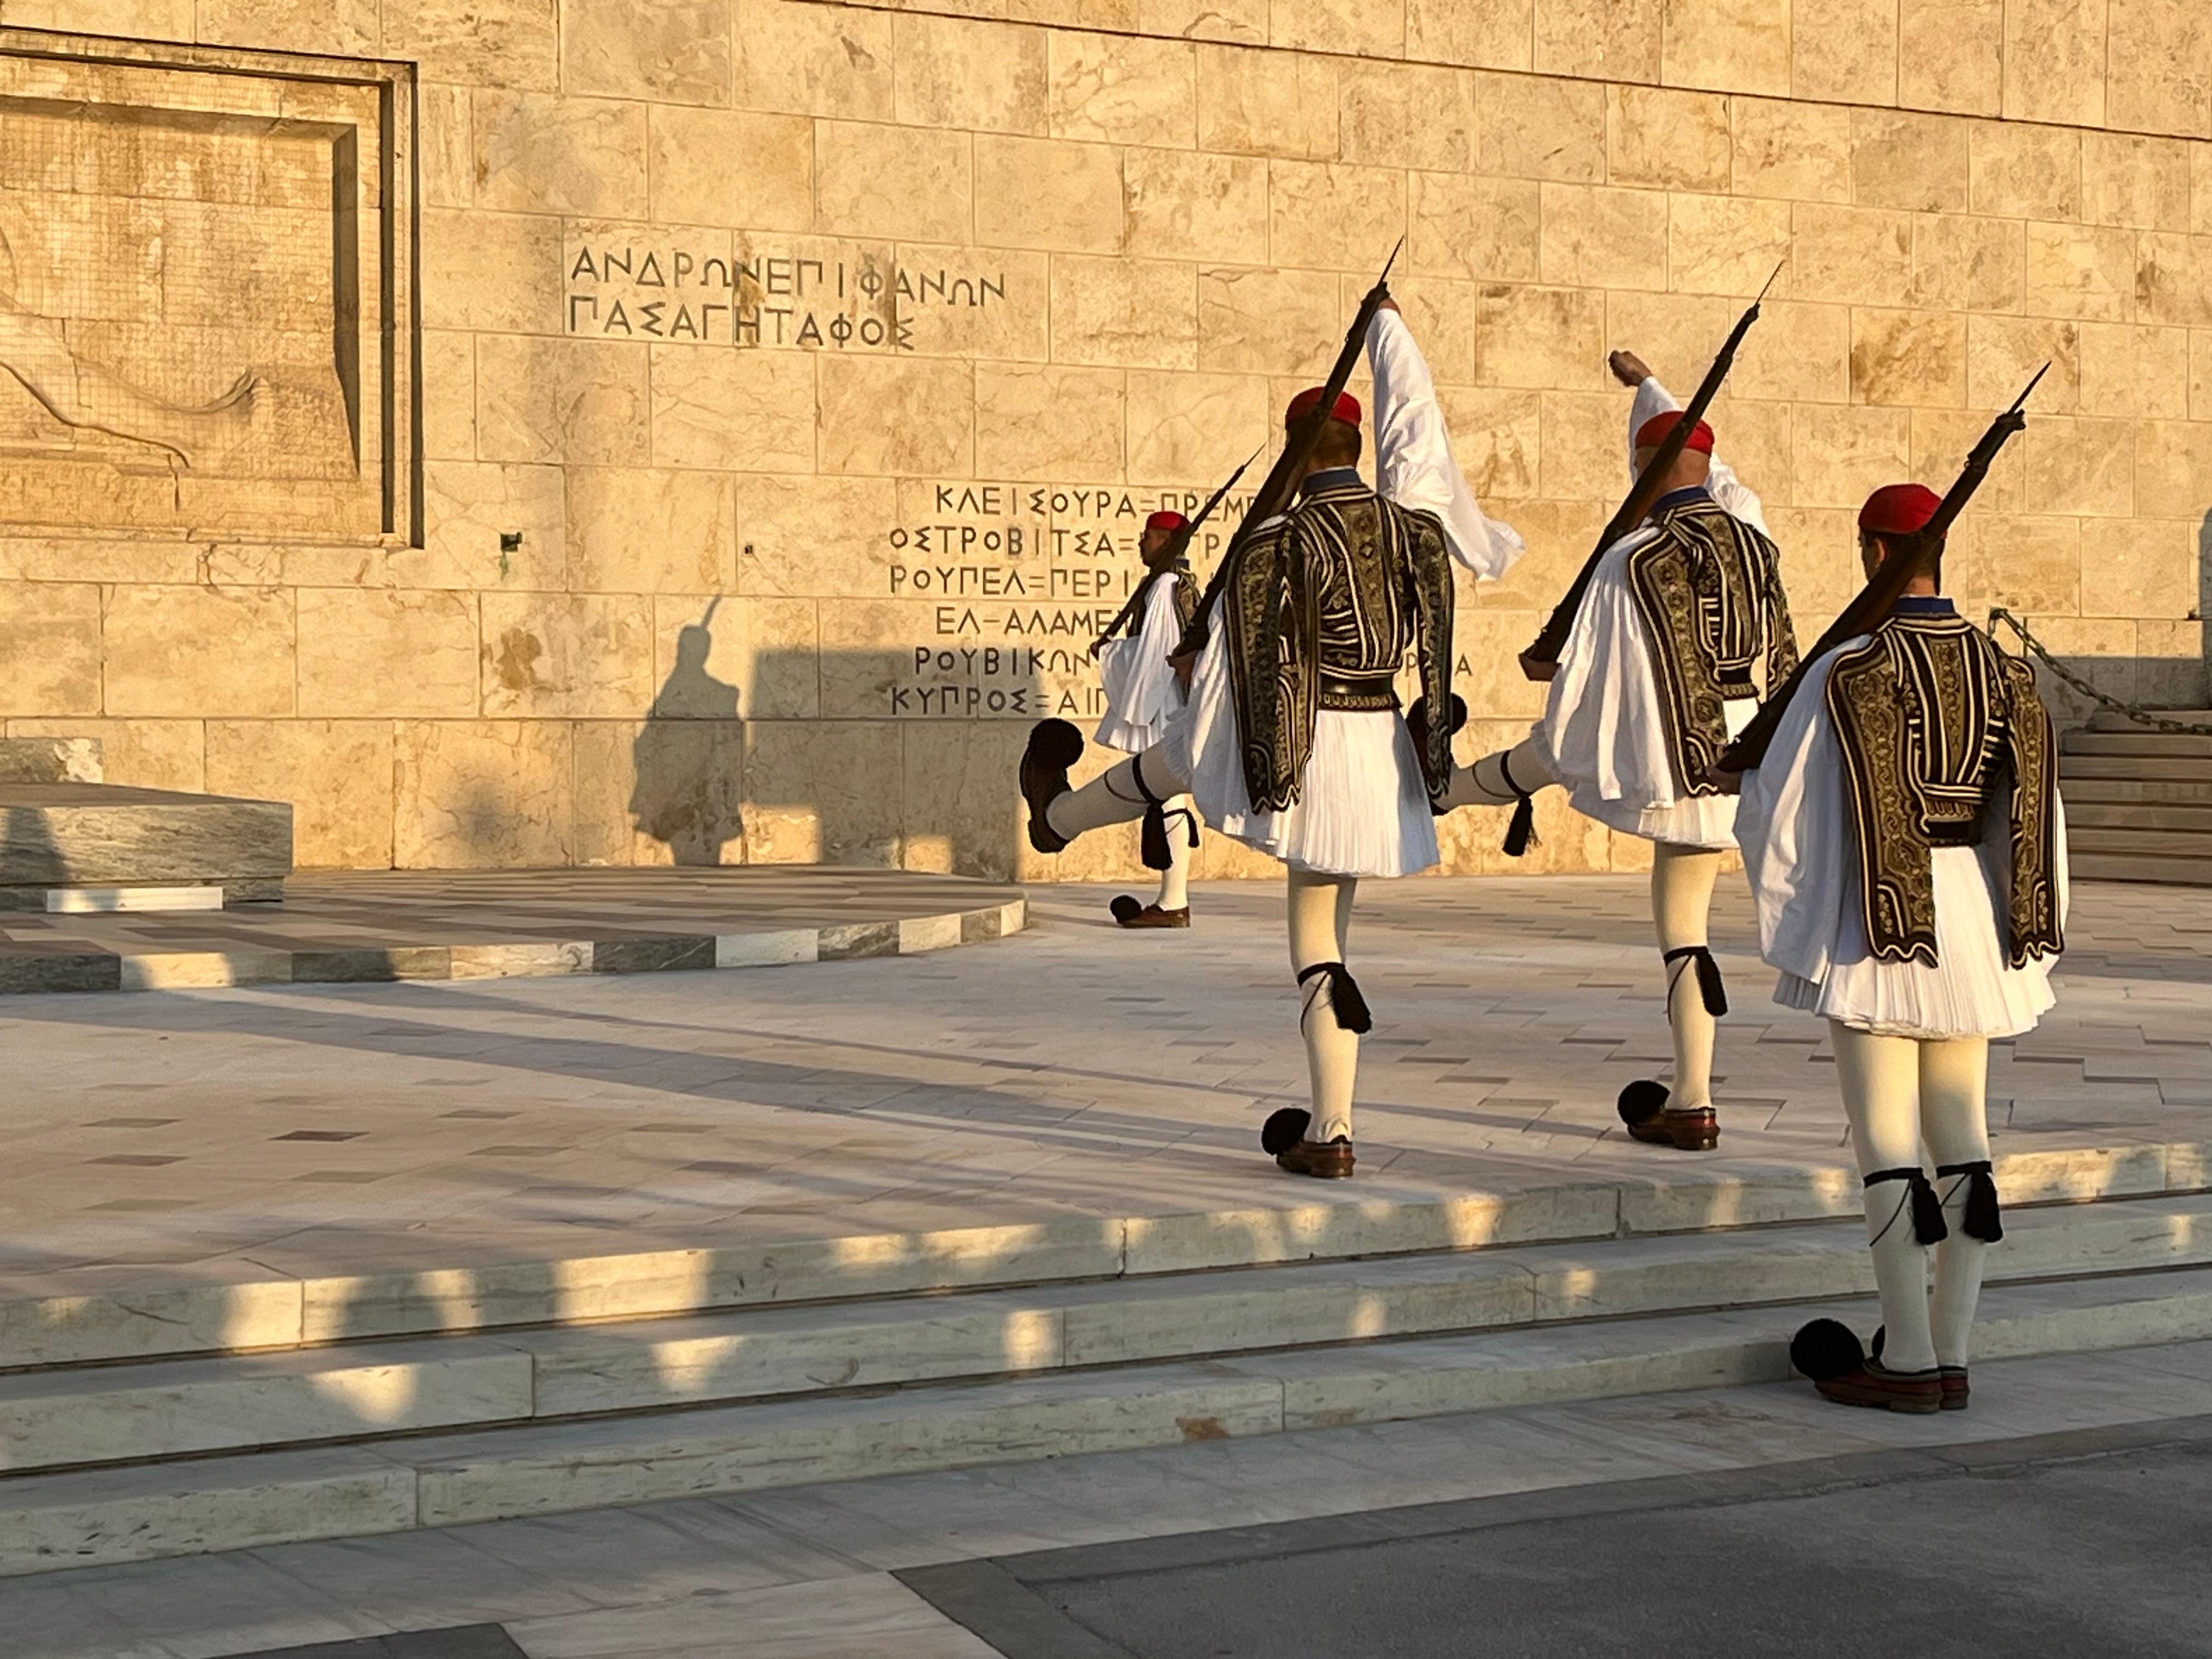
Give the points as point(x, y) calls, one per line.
point(1274, 491)
point(1641, 494)
point(1880, 596)
point(1178, 544)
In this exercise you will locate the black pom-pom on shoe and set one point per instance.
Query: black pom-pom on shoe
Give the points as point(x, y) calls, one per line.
point(1054, 746)
point(1641, 1101)
point(1285, 1129)
point(1826, 1348)
point(1126, 908)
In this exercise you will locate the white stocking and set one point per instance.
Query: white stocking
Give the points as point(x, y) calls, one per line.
point(1880, 1078)
point(1955, 1122)
point(1113, 797)
point(1528, 764)
point(1321, 930)
point(1182, 829)
point(1682, 880)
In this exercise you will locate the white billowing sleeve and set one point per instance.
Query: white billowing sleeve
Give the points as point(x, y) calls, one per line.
point(1736, 499)
point(1414, 465)
point(1794, 826)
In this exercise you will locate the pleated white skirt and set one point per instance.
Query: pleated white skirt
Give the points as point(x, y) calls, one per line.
point(1141, 693)
point(1970, 993)
point(1363, 809)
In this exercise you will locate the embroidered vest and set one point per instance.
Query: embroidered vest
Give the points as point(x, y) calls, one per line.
point(1709, 590)
point(1321, 609)
point(1939, 730)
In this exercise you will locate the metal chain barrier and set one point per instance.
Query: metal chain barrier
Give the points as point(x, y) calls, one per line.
point(2134, 712)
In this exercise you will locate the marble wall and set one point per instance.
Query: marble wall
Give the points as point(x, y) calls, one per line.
point(712, 429)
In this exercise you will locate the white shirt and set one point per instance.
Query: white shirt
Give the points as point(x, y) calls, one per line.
point(1414, 465)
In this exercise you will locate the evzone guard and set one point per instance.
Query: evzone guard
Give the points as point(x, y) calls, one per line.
point(1664, 649)
point(1291, 740)
point(1903, 832)
point(1141, 693)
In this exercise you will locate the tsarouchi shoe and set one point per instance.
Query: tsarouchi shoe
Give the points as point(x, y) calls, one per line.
point(1874, 1384)
point(1054, 746)
point(1130, 912)
point(1329, 1160)
point(1644, 1109)
point(1955, 1395)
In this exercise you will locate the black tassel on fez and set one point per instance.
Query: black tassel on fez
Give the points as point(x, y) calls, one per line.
point(1980, 1220)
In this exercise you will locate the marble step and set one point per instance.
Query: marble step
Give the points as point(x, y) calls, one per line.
point(169, 1408)
point(2094, 789)
point(87, 1518)
point(2143, 815)
point(104, 835)
point(2105, 719)
point(104, 901)
point(96, 1314)
point(2167, 745)
point(2090, 865)
point(2138, 840)
point(2148, 768)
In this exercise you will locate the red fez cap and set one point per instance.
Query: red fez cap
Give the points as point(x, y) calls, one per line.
point(1165, 520)
point(1653, 433)
point(1346, 408)
point(1898, 509)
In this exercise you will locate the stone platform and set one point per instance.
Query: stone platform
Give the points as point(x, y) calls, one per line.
point(79, 834)
point(430, 925)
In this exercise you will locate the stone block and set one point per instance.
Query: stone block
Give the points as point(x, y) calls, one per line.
point(1267, 103)
point(1535, 127)
point(1188, 426)
point(2144, 567)
point(957, 72)
point(1487, 34)
point(905, 183)
point(1049, 193)
point(1583, 448)
point(49, 648)
point(1474, 228)
point(2200, 377)
point(1845, 51)
point(106, 834)
point(1903, 160)
point(498, 271)
point(1122, 89)
point(2158, 67)
point(1498, 438)
point(1615, 40)
point(2033, 565)
point(1960, 263)
point(2055, 61)
point(1539, 336)
point(2003, 352)
point(156, 754)
point(1126, 314)
point(719, 408)
point(1909, 357)
point(813, 536)
point(567, 655)
point(1950, 55)
point(2135, 369)
point(1805, 359)
point(1726, 244)
point(469, 508)
point(1940, 441)
point(2023, 172)
point(1240, 21)
point(1408, 115)
point(1185, 205)
point(1267, 322)
point(1744, 45)
point(883, 415)
point(670, 50)
point(337, 775)
point(1844, 454)
point(958, 818)
point(1794, 151)
point(348, 28)
point(2081, 271)
point(2173, 278)
point(540, 154)
point(482, 794)
point(660, 792)
point(1366, 28)
point(351, 640)
point(216, 651)
point(1675, 333)
point(2128, 179)
point(1349, 217)
point(1440, 313)
point(2173, 477)
point(748, 659)
point(484, 43)
point(720, 166)
point(2081, 467)
point(632, 530)
point(29, 759)
point(1656, 136)
point(814, 792)
point(548, 399)
point(1819, 562)
point(1044, 421)
point(449, 395)
point(798, 59)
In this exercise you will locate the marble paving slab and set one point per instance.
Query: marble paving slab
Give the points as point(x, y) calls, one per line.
point(351, 926)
